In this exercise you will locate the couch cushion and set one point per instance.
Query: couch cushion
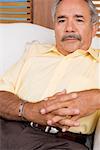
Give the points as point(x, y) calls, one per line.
point(13, 38)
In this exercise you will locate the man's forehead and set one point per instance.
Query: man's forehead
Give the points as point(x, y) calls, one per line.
point(71, 2)
point(75, 7)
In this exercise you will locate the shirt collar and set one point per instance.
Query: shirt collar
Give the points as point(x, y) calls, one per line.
point(94, 53)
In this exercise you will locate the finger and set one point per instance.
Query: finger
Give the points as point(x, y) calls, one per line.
point(67, 97)
point(76, 117)
point(65, 128)
point(66, 111)
point(56, 94)
point(69, 122)
point(54, 120)
point(53, 99)
point(59, 103)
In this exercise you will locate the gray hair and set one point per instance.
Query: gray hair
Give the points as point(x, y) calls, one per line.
point(92, 7)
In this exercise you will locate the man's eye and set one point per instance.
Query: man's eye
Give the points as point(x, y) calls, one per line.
point(80, 20)
point(61, 21)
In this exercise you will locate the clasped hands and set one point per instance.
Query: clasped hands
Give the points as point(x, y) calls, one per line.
point(66, 109)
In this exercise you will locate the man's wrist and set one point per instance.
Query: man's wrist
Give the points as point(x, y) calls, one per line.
point(21, 110)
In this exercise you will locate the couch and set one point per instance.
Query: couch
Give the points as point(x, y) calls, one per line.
point(13, 38)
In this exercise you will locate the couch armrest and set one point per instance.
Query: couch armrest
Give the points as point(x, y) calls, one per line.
point(97, 137)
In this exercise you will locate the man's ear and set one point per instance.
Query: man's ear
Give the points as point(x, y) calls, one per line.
point(95, 29)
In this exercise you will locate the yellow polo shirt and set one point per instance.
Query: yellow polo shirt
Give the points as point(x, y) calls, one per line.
point(43, 71)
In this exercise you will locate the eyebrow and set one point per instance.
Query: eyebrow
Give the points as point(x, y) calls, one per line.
point(79, 16)
point(76, 16)
point(60, 17)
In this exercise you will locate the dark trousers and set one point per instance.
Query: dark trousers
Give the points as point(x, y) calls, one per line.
point(20, 136)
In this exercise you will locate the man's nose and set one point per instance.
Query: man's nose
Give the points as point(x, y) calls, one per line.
point(70, 27)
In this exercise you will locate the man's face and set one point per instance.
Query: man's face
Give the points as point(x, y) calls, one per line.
point(73, 27)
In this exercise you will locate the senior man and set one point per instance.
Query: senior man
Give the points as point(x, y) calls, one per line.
point(41, 106)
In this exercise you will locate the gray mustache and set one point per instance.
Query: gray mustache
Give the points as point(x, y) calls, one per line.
point(75, 36)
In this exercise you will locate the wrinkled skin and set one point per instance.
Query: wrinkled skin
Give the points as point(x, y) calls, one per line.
point(76, 105)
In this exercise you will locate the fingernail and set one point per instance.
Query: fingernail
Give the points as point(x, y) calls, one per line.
point(42, 111)
point(63, 129)
point(49, 122)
